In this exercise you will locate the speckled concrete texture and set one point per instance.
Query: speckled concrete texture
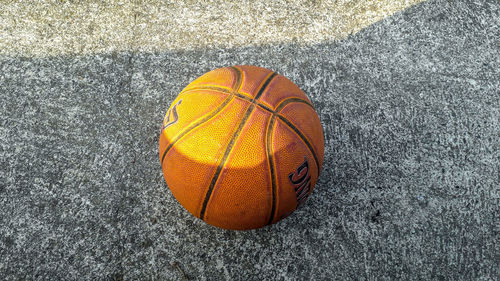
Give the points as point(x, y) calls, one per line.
point(63, 27)
point(410, 188)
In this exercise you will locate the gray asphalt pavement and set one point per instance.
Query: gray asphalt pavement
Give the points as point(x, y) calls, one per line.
point(410, 188)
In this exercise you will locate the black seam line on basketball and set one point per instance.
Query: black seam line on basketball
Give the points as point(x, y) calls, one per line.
point(281, 105)
point(224, 159)
point(304, 139)
point(285, 102)
point(239, 78)
point(239, 95)
point(224, 91)
point(194, 125)
point(213, 88)
point(229, 147)
point(264, 86)
point(269, 150)
point(221, 90)
point(239, 75)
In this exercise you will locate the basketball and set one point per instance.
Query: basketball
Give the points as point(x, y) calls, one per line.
point(241, 147)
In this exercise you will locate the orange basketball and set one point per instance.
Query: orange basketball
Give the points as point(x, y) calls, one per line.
point(241, 147)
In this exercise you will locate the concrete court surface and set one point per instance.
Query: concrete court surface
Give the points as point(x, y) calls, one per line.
point(407, 92)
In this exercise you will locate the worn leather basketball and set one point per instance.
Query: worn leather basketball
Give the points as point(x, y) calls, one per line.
point(241, 147)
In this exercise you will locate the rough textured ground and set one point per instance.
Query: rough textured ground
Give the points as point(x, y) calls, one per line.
point(410, 187)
